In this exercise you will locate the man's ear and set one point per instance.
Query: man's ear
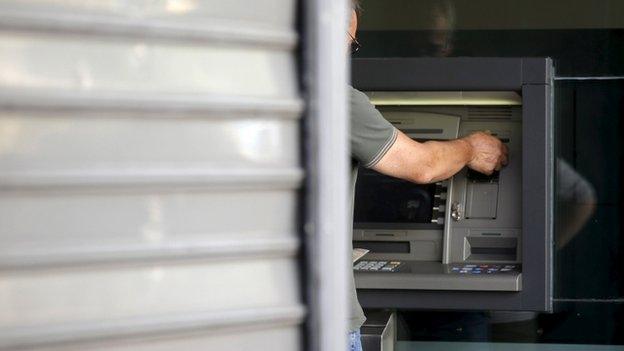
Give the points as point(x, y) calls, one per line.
point(353, 23)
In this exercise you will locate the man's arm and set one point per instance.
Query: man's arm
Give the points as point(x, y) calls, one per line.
point(432, 161)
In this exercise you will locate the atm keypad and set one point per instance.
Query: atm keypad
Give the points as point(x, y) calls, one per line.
point(377, 266)
point(484, 268)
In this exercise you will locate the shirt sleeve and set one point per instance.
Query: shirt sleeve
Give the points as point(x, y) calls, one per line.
point(371, 134)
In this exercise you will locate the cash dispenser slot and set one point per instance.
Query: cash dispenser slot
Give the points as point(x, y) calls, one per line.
point(491, 249)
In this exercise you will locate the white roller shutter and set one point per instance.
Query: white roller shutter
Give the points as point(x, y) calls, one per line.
point(149, 169)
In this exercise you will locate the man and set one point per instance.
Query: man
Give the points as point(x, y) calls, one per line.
point(376, 144)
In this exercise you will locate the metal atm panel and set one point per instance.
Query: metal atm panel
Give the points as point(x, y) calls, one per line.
point(473, 241)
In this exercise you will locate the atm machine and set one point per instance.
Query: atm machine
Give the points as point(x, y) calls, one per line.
point(472, 242)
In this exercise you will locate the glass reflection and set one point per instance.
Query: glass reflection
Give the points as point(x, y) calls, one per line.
point(576, 198)
point(440, 38)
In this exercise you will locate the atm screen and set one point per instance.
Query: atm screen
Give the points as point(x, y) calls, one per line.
point(383, 199)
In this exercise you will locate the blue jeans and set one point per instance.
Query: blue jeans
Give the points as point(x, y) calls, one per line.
point(355, 341)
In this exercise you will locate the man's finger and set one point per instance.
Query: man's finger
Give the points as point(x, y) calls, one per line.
point(484, 170)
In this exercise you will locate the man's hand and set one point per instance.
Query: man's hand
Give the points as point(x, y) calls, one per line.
point(488, 153)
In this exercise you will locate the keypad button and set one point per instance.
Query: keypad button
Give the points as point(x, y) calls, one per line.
point(379, 266)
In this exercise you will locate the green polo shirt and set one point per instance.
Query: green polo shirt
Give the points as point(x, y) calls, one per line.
point(371, 136)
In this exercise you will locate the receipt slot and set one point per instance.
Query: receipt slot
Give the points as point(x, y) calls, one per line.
point(474, 241)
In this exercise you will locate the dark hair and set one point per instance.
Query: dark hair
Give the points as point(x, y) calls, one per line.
point(357, 6)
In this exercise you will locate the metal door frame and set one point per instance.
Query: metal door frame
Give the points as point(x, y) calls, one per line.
point(328, 221)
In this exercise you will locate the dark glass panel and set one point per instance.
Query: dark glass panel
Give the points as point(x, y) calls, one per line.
point(588, 227)
point(582, 52)
point(584, 37)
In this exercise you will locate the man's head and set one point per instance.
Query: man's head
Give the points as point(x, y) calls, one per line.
point(356, 5)
point(356, 8)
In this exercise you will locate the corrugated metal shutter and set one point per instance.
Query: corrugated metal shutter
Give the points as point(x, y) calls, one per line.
point(149, 167)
